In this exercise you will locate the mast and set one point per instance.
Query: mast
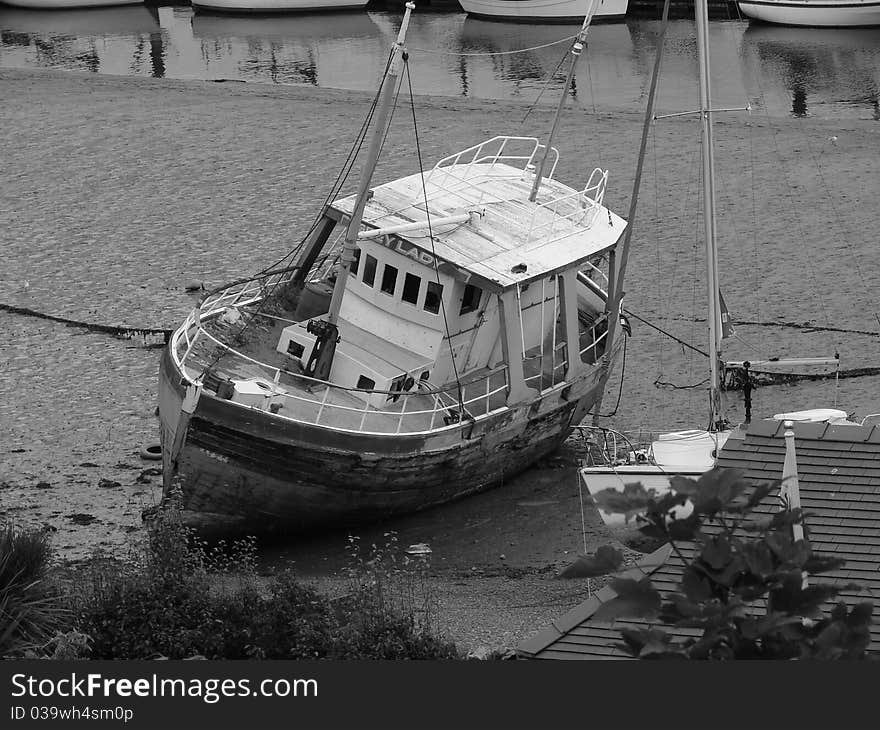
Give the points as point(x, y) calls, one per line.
point(326, 330)
point(389, 84)
point(576, 49)
point(716, 418)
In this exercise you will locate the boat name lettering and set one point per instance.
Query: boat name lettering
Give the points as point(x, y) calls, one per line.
point(413, 252)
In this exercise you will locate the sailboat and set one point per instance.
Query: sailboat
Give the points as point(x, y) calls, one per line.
point(825, 14)
point(545, 11)
point(689, 452)
point(436, 335)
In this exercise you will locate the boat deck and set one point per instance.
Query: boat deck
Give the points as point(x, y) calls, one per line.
point(309, 401)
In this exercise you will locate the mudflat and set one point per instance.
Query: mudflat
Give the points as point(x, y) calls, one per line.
point(117, 192)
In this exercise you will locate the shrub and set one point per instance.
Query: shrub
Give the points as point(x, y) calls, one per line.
point(30, 611)
point(744, 581)
point(177, 598)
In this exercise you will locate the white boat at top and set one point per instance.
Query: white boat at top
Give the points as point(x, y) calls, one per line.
point(277, 6)
point(818, 13)
point(546, 11)
point(68, 4)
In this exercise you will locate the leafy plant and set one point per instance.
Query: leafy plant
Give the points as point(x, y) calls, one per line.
point(746, 585)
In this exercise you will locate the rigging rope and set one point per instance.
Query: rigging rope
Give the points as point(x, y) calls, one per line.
point(341, 178)
point(431, 235)
point(547, 81)
point(620, 387)
point(115, 330)
point(493, 53)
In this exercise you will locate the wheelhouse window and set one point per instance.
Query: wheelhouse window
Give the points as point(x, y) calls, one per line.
point(356, 263)
point(470, 300)
point(433, 297)
point(389, 279)
point(411, 286)
point(369, 277)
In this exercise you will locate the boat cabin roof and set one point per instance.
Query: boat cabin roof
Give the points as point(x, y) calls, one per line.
point(508, 239)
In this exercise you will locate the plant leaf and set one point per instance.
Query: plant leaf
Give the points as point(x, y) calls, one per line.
point(606, 560)
point(635, 599)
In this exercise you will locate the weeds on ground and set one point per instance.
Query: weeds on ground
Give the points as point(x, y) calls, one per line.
point(177, 597)
point(30, 609)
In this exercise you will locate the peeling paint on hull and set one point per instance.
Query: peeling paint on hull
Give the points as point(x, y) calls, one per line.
point(242, 469)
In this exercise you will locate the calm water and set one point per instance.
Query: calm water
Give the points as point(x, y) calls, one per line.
point(820, 72)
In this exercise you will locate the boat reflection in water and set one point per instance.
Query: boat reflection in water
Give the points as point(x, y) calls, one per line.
point(829, 66)
point(113, 40)
point(336, 50)
point(779, 69)
point(609, 52)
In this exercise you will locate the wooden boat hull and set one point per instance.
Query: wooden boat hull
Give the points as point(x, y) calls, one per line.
point(545, 11)
point(245, 470)
point(820, 13)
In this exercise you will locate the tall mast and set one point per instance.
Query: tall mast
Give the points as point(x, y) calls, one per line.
point(714, 309)
point(326, 331)
point(576, 49)
point(389, 85)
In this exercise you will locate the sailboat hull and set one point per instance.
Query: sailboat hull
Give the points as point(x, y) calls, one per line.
point(241, 469)
point(544, 11)
point(829, 14)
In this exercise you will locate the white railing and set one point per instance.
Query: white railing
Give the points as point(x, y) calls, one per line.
point(609, 447)
point(243, 293)
point(312, 402)
point(570, 212)
point(596, 338)
point(482, 154)
point(590, 271)
point(556, 373)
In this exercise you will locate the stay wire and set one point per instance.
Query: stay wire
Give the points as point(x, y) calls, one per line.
point(431, 234)
point(341, 179)
point(546, 84)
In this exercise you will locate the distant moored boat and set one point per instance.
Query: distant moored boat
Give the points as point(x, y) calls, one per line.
point(546, 11)
point(68, 4)
point(820, 13)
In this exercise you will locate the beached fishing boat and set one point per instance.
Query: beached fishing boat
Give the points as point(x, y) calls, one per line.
point(68, 4)
point(435, 335)
point(277, 6)
point(545, 11)
point(616, 461)
point(816, 13)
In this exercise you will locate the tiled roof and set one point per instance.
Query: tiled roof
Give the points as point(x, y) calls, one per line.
point(839, 479)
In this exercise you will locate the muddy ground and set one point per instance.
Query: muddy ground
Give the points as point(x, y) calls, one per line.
point(118, 192)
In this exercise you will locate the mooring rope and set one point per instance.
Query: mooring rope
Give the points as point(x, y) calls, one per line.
point(115, 330)
point(494, 53)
